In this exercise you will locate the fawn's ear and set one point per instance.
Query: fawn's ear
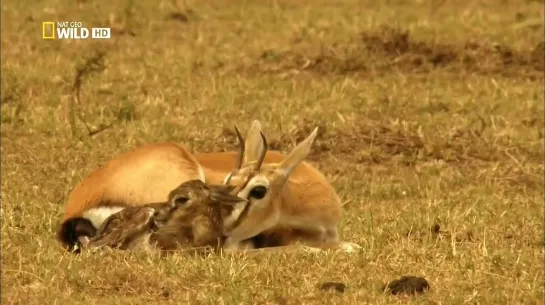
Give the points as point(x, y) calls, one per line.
point(297, 155)
point(179, 200)
point(222, 188)
point(223, 197)
point(253, 144)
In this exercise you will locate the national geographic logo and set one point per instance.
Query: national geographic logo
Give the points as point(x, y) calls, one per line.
point(48, 30)
point(72, 30)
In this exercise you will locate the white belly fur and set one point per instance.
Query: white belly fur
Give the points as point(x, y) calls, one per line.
point(98, 215)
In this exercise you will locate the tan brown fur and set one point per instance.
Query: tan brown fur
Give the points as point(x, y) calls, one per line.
point(146, 174)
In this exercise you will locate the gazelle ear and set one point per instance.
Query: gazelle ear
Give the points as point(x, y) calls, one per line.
point(253, 143)
point(297, 155)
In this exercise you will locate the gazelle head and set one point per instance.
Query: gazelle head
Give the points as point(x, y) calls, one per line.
point(260, 183)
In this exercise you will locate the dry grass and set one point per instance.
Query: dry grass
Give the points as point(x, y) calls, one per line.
point(431, 112)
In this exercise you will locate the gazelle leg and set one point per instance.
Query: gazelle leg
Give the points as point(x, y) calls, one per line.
point(332, 236)
point(327, 239)
point(318, 239)
point(282, 240)
point(231, 245)
point(272, 250)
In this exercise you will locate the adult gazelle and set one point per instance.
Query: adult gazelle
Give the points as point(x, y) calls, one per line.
point(288, 199)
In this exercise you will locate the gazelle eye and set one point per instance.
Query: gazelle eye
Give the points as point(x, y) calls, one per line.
point(258, 192)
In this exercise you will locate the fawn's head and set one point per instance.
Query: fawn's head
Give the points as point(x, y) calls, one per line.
point(193, 199)
point(258, 182)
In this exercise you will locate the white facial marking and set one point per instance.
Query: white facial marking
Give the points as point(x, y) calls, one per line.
point(230, 220)
point(97, 215)
point(255, 203)
point(255, 181)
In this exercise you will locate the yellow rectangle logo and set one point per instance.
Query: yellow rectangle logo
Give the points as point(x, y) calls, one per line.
point(48, 30)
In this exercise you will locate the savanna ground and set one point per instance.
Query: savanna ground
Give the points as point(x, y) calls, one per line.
point(430, 115)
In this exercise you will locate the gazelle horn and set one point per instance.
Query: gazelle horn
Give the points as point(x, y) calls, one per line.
point(263, 152)
point(240, 156)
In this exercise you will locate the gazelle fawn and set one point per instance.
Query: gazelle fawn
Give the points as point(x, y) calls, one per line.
point(191, 218)
point(289, 200)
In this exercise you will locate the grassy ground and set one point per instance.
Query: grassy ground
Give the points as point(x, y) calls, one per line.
point(430, 113)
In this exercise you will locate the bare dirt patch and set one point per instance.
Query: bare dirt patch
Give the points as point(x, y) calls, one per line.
point(379, 142)
point(387, 48)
